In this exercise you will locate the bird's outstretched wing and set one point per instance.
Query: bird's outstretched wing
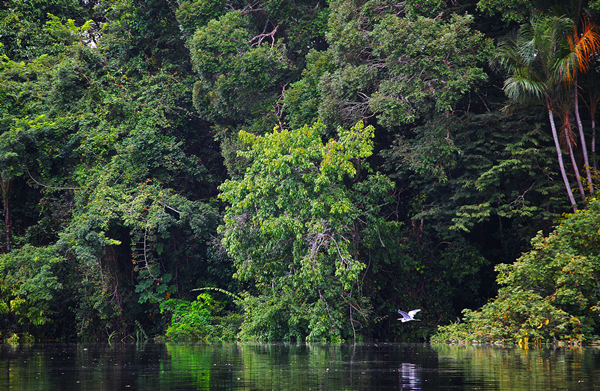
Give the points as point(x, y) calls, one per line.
point(404, 314)
point(413, 313)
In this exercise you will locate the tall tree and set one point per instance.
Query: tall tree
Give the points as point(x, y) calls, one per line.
point(583, 45)
point(297, 224)
point(591, 100)
point(531, 59)
point(390, 68)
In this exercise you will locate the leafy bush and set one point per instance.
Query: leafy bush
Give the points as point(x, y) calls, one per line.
point(29, 284)
point(550, 294)
point(199, 320)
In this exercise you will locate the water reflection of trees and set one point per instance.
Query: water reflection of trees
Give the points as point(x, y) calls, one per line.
point(292, 367)
point(512, 368)
point(79, 366)
point(284, 366)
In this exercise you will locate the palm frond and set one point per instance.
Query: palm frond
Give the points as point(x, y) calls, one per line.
point(565, 68)
point(506, 56)
point(585, 44)
point(521, 86)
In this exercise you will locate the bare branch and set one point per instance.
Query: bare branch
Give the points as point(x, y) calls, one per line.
point(261, 37)
point(50, 187)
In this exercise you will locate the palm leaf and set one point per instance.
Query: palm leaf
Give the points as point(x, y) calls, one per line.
point(578, 51)
point(585, 44)
point(521, 86)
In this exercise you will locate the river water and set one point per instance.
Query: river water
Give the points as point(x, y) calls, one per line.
point(376, 366)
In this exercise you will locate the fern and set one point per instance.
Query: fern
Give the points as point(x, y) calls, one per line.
point(211, 288)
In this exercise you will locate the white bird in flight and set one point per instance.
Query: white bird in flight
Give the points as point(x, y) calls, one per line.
point(407, 317)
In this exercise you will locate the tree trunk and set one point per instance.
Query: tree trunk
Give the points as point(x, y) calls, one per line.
point(586, 161)
point(575, 167)
point(6, 204)
point(594, 145)
point(560, 158)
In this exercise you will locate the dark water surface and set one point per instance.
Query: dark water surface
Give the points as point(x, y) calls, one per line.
point(378, 366)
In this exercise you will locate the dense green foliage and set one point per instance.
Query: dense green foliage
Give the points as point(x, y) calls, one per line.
point(324, 163)
point(200, 320)
point(299, 231)
point(550, 294)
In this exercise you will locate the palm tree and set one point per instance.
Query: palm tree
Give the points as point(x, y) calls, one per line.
point(581, 47)
point(592, 83)
point(531, 59)
point(563, 104)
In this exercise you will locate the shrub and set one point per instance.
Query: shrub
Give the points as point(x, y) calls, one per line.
point(550, 294)
point(199, 320)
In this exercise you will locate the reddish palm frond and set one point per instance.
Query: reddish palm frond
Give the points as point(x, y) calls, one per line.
point(582, 46)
